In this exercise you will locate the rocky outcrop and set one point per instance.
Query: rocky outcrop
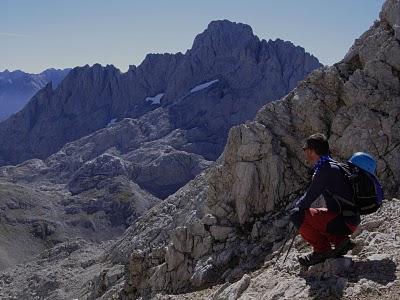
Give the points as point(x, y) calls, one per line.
point(355, 103)
point(370, 271)
point(94, 172)
point(74, 260)
point(133, 148)
point(17, 87)
point(246, 73)
point(73, 269)
point(94, 270)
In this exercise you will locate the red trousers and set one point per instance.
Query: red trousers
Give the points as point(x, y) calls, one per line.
point(314, 229)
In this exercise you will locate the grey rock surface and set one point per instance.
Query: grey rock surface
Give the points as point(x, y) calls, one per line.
point(355, 103)
point(43, 214)
point(362, 274)
point(234, 291)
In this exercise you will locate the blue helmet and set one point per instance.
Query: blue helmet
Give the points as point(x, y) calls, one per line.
point(364, 161)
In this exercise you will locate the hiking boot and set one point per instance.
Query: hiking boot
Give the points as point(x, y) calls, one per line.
point(343, 248)
point(314, 258)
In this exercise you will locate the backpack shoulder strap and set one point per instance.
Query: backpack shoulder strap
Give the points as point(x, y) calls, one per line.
point(347, 173)
point(345, 168)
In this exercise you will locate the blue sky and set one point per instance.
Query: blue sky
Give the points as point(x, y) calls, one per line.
point(35, 35)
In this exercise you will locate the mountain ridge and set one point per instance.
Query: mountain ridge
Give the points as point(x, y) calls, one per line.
point(17, 87)
point(90, 97)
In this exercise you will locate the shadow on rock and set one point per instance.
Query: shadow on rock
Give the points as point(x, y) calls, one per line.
point(326, 288)
point(329, 279)
point(381, 271)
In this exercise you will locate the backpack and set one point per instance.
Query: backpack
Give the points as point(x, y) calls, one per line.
point(368, 192)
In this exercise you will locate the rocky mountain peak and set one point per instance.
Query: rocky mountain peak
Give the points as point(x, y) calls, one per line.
point(223, 37)
point(90, 74)
point(226, 64)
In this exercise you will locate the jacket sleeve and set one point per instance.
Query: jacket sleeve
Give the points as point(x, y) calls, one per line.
point(318, 185)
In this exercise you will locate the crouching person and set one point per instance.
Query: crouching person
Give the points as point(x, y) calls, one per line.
point(327, 229)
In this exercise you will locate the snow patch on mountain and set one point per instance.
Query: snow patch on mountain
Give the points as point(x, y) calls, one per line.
point(113, 121)
point(203, 86)
point(156, 99)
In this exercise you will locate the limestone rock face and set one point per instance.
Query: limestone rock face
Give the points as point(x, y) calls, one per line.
point(94, 171)
point(356, 103)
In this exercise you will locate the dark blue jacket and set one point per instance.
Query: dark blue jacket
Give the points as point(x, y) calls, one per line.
point(329, 180)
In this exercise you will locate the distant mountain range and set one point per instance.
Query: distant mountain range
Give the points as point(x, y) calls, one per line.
point(90, 155)
point(17, 87)
point(245, 73)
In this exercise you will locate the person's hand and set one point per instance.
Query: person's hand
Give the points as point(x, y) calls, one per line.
point(296, 216)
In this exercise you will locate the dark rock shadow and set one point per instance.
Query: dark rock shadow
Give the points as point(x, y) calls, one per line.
point(380, 271)
point(332, 286)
